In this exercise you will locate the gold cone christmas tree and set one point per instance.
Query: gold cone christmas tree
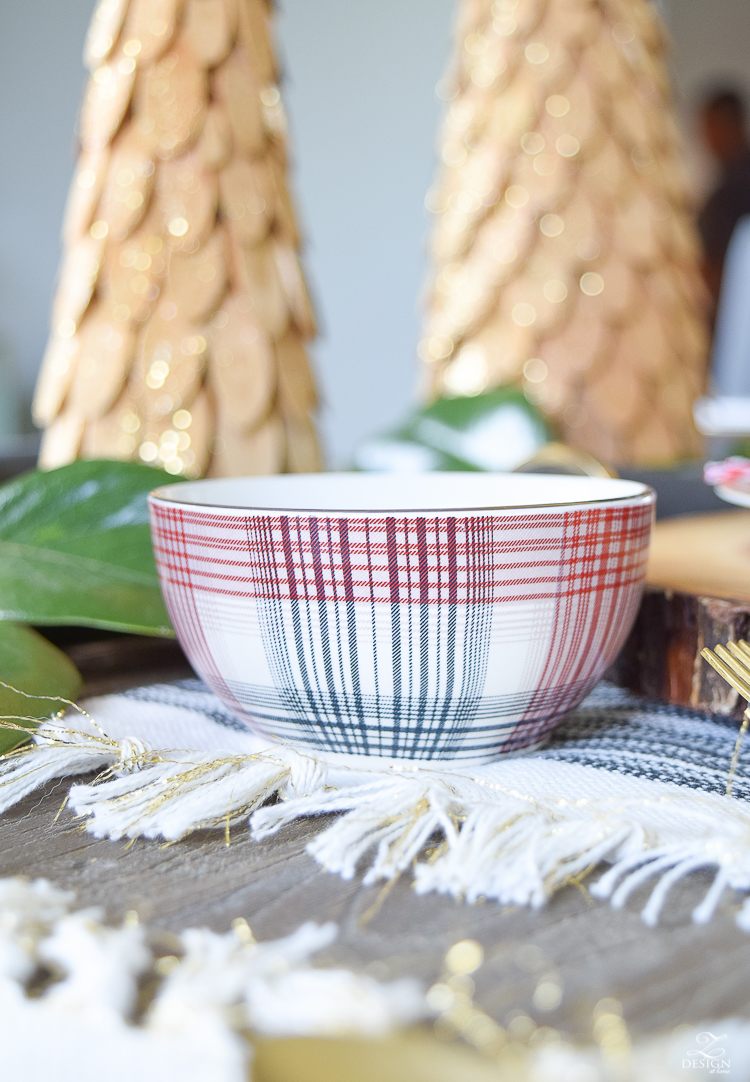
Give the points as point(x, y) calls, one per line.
point(181, 314)
point(564, 255)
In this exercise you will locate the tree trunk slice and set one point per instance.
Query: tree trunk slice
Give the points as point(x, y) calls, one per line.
point(698, 594)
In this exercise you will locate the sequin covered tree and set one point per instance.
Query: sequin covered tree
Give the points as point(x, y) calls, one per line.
point(564, 253)
point(181, 314)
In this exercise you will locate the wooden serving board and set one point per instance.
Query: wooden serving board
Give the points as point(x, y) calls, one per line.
point(703, 554)
point(698, 595)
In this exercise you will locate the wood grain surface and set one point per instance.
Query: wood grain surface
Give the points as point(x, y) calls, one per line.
point(678, 972)
point(703, 554)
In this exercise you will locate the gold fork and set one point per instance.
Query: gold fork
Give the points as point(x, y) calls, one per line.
point(733, 663)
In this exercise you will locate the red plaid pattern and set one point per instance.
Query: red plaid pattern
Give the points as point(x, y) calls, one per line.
point(442, 560)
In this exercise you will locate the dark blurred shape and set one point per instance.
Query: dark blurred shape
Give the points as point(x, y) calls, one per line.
point(18, 454)
point(723, 126)
point(112, 661)
point(679, 491)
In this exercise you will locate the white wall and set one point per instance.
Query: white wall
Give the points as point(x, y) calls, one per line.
point(361, 96)
point(41, 77)
point(360, 92)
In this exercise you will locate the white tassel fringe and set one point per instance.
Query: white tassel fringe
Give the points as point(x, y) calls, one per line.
point(483, 840)
point(216, 991)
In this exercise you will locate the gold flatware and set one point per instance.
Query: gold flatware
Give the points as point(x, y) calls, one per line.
point(732, 662)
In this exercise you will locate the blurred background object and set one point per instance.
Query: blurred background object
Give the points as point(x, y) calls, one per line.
point(565, 257)
point(495, 431)
point(724, 223)
point(723, 124)
point(359, 86)
point(359, 83)
point(498, 430)
point(181, 312)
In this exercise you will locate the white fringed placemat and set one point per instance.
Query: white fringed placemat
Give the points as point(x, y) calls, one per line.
point(636, 786)
point(86, 1018)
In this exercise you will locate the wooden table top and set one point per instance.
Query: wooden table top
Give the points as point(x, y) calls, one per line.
point(677, 972)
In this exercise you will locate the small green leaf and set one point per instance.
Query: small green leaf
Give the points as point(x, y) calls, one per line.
point(497, 430)
point(75, 548)
point(31, 664)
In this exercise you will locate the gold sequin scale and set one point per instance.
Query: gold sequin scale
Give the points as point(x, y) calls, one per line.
point(181, 315)
point(563, 250)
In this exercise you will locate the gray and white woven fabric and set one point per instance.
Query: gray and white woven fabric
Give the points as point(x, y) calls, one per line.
point(637, 789)
point(615, 730)
point(611, 730)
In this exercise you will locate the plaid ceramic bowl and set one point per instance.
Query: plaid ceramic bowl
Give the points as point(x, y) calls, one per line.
point(423, 616)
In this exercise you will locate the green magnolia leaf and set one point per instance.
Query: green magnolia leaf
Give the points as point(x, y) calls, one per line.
point(75, 548)
point(497, 430)
point(31, 664)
